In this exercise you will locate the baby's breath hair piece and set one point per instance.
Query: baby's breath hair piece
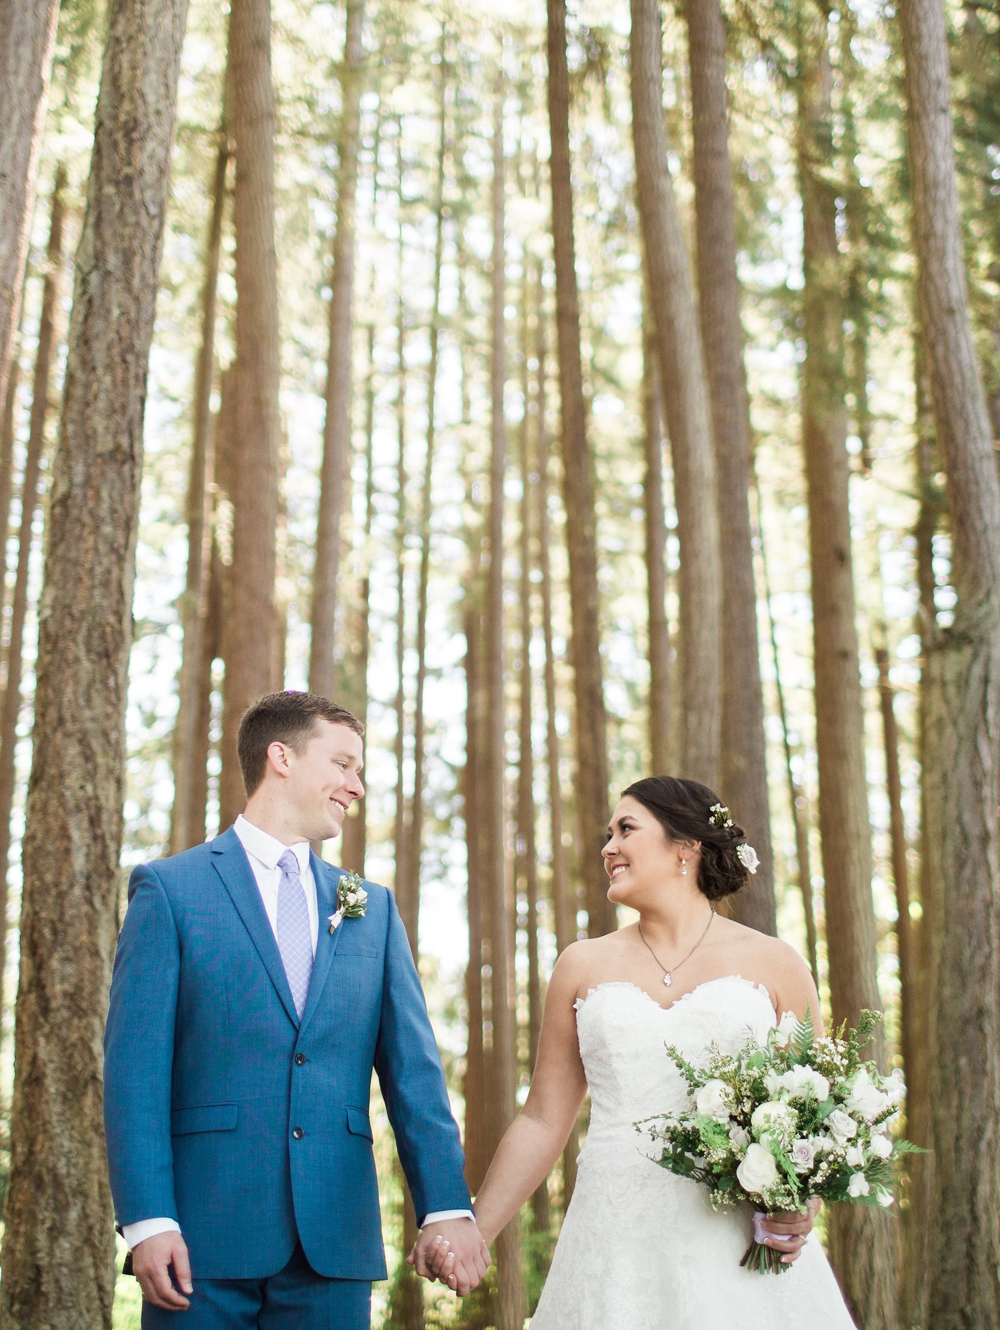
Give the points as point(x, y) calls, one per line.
point(718, 815)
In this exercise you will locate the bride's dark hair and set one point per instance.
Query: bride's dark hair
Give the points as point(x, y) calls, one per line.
point(683, 809)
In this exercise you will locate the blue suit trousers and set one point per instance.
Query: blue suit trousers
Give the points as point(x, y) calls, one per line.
point(296, 1298)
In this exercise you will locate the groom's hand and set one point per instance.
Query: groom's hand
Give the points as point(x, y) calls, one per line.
point(453, 1251)
point(151, 1265)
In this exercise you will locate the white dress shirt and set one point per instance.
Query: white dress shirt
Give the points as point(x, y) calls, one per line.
point(263, 851)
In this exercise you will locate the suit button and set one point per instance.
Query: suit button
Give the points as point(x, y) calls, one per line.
point(299, 1059)
point(298, 1133)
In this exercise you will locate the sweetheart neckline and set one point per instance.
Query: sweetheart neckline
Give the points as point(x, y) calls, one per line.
point(706, 983)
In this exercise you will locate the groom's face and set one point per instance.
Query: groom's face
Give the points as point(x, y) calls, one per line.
point(325, 778)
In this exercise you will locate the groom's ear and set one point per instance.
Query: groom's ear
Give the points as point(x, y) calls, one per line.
point(279, 757)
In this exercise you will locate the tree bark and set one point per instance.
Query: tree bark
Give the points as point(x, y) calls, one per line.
point(252, 625)
point(685, 399)
point(960, 740)
point(7, 432)
point(501, 1105)
point(656, 549)
point(337, 428)
point(743, 766)
point(27, 41)
point(474, 1087)
point(58, 1250)
point(187, 819)
point(591, 774)
point(861, 1242)
point(10, 708)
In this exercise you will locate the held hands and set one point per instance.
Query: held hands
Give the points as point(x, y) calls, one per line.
point(452, 1251)
point(151, 1262)
point(790, 1230)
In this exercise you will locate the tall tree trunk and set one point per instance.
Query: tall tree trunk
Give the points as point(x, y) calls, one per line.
point(187, 818)
point(591, 775)
point(27, 41)
point(10, 708)
point(474, 1087)
point(900, 870)
point(337, 429)
point(415, 841)
point(656, 548)
point(252, 622)
point(501, 1103)
point(563, 896)
point(8, 430)
point(797, 801)
point(861, 1241)
point(354, 834)
point(58, 1248)
point(743, 767)
point(960, 741)
point(685, 399)
point(526, 864)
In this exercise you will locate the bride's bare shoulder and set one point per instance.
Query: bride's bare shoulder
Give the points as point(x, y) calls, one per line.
point(776, 964)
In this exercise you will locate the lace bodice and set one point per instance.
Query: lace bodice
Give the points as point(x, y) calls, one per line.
point(641, 1249)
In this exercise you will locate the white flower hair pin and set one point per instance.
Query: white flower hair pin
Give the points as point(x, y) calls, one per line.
point(352, 901)
point(747, 856)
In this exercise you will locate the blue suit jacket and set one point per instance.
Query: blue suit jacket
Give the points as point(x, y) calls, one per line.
point(227, 1113)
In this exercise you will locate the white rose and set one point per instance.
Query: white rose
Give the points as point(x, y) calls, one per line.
point(858, 1185)
point(773, 1116)
point(747, 856)
point(712, 1101)
point(895, 1087)
point(821, 1144)
point(854, 1155)
point(881, 1146)
point(866, 1099)
point(740, 1137)
point(758, 1170)
point(804, 1083)
point(786, 1027)
point(803, 1155)
point(842, 1126)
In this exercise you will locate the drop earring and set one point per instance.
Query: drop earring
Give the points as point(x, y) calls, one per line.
point(684, 867)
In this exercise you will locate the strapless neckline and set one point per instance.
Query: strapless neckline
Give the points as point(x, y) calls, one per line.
point(706, 983)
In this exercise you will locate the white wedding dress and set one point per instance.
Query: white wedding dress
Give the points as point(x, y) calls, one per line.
point(640, 1248)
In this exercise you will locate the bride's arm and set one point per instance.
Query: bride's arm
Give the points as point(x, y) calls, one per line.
point(537, 1136)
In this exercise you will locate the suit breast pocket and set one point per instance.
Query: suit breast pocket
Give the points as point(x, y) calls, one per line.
point(203, 1117)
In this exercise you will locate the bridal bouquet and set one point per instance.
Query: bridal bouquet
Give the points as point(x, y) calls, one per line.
point(780, 1122)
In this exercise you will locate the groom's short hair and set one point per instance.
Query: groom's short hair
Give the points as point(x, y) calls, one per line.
point(287, 718)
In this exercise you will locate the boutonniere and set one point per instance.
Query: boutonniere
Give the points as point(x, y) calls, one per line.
point(352, 900)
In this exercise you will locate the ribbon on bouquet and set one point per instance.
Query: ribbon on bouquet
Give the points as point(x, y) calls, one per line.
point(761, 1234)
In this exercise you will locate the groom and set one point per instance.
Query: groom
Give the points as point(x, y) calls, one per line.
point(246, 1016)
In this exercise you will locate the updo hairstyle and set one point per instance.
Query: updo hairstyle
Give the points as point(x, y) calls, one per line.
point(683, 809)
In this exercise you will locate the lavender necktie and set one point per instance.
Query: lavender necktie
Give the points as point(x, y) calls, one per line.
point(294, 931)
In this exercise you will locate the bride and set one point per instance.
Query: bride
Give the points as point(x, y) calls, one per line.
point(640, 1249)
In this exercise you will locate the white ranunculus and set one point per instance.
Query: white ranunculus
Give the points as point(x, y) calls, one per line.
point(804, 1083)
point(858, 1185)
point(786, 1027)
point(866, 1099)
point(803, 1155)
point(713, 1100)
point(881, 1145)
point(773, 1116)
point(758, 1171)
point(842, 1126)
point(854, 1155)
point(740, 1137)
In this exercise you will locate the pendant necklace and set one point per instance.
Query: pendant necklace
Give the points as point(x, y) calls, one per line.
point(668, 975)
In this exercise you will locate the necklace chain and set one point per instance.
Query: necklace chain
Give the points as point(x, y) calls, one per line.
point(668, 975)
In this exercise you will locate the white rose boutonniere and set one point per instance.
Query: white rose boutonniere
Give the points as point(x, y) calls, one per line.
point(352, 901)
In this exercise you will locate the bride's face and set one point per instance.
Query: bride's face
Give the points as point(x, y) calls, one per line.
point(639, 859)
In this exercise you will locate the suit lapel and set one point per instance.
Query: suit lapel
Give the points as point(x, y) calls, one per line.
point(233, 867)
point(326, 879)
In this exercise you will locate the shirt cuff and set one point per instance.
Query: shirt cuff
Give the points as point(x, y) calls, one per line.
point(438, 1216)
point(133, 1234)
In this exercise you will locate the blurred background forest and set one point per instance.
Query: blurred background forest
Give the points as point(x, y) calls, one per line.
point(575, 394)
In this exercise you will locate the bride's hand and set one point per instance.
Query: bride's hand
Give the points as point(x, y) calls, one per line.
point(791, 1229)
